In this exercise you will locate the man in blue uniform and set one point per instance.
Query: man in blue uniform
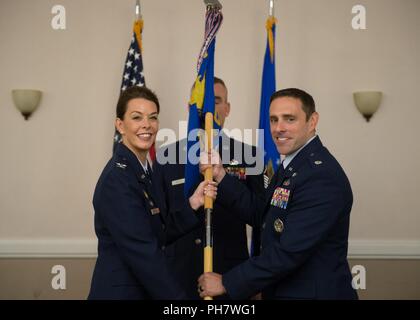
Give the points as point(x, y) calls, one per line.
point(229, 233)
point(304, 216)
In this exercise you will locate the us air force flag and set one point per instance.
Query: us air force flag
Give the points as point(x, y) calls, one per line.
point(268, 87)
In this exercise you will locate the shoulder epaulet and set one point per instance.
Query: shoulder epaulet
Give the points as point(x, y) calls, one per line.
point(316, 160)
point(121, 164)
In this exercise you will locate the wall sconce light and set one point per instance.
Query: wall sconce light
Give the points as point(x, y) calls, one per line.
point(26, 101)
point(367, 102)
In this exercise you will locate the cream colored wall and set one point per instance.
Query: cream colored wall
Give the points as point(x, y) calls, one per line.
point(50, 164)
point(385, 279)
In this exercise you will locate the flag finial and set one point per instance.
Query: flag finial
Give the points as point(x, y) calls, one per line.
point(271, 12)
point(215, 4)
point(138, 10)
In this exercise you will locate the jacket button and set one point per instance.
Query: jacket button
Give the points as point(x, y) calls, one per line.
point(263, 226)
point(163, 247)
point(197, 241)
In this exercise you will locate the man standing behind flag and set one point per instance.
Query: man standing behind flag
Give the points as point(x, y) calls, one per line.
point(230, 239)
point(202, 116)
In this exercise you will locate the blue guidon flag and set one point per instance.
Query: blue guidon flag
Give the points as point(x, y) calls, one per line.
point(202, 100)
point(268, 87)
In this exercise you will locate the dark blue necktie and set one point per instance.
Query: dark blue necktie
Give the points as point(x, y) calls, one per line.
point(147, 171)
point(282, 169)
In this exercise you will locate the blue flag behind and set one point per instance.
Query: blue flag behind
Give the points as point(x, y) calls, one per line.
point(202, 99)
point(271, 156)
point(201, 102)
point(268, 87)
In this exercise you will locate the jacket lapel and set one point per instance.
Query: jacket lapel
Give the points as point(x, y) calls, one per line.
point(290, 170)
point(149, 192)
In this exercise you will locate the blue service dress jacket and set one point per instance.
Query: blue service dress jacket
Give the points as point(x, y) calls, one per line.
point(305, 225)
point(133, 228)
point(229, 233)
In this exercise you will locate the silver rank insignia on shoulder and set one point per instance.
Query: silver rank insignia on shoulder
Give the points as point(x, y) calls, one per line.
point(278, 225)
point(318, 162)
point(121, 165)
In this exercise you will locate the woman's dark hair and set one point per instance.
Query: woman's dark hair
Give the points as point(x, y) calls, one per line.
point(134, 93)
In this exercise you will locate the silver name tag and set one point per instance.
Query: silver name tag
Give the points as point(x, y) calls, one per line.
point(177, 182)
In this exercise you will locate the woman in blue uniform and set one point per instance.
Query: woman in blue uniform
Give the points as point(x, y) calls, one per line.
point(131, 221)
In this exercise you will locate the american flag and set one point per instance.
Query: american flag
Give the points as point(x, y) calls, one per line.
point(133, 70)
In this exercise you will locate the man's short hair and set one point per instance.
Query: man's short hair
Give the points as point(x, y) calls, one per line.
point(308, 103)
point(218, 80)
point(134, 93)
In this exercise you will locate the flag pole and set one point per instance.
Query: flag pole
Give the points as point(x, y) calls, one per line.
point(208, 201)
point(138, 29)
point(133, 76)
point(208, 176)
point(271, 10)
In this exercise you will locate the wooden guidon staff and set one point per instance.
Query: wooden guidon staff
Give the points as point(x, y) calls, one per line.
point(208, 201)
point(213, 22)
